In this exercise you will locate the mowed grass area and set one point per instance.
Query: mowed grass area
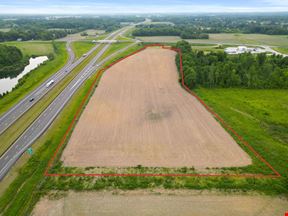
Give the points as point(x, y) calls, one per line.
point(11, 134)
point(209, 48)
point(259, 116)
point(36, 77)
point(81, 47)
point(224, 38)
point(281, 49)
point(35, 48)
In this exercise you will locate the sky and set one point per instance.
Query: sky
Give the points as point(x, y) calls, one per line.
point(97, 7)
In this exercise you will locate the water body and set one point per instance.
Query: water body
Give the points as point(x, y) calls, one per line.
point(7, 84)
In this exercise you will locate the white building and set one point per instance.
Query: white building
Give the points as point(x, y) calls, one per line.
point(243, 49)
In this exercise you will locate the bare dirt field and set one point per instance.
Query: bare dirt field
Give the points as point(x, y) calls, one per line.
point(140, 115)
point(143, 203)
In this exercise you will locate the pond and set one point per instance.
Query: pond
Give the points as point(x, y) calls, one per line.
point(7, 84)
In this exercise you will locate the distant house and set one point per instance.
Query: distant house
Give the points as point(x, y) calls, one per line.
point(19, 39)
point(231, 50)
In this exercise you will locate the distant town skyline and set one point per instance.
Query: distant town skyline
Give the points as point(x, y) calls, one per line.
point(138, 7)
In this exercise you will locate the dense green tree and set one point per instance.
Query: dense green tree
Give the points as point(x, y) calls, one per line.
point(217, 69)
point(12, 61)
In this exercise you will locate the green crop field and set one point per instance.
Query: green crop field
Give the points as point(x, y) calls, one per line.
point(224, 38)
point(37, 48)
point(81, 47)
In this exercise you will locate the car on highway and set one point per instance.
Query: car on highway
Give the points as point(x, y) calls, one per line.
point(31, 99)
point(50, 83)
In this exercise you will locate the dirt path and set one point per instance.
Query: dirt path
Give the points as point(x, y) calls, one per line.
point(140, 115)
point(166, 203)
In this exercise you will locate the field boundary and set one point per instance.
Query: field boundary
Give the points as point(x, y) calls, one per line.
point(275, 174)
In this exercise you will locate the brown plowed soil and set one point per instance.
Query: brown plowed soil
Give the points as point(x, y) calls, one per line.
point(168, 203)
point(140, 115)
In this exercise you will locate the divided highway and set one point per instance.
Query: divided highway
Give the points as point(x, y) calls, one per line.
point(44, 120)
point(8, 118)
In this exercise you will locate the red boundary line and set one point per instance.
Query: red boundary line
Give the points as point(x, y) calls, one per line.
point(224, 124)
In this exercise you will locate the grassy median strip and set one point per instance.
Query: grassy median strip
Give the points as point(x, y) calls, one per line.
point(13, 132)
point(32, 80)
point(81, 47)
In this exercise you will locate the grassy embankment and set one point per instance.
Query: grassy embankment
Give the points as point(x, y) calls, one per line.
point(37, 76)
point(13, 132)
point(81, 47)
point(27, 187)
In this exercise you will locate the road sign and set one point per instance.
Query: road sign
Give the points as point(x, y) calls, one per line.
point(30, 151)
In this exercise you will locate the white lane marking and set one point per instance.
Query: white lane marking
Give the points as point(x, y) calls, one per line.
point(75, 84)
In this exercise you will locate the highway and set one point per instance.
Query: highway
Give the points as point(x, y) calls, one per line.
point(44, 120)
point(14, 113)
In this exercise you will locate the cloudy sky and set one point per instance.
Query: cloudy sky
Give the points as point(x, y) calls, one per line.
point(139, 6)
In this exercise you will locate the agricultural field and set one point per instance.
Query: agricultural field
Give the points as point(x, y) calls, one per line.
point(146, 131)
point(158, 202)
point(31, 179)
point(37, 48)
point(224, 38)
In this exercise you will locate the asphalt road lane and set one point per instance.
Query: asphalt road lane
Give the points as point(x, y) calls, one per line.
point(44, 120)
point(8, 118)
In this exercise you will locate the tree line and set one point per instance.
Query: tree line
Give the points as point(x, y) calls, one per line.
point(12, 61)
point(33, 34)
point(168, 30)
point(272, 24)
point(217, 69)
point(43, 28)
